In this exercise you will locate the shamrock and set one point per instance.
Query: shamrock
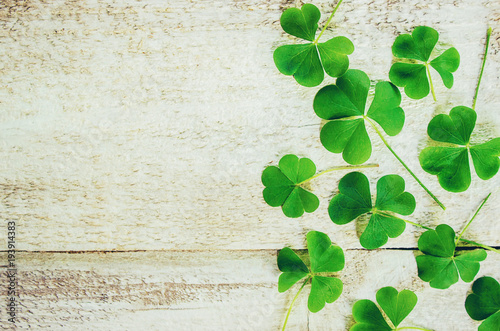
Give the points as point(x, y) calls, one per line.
point(324, 258)
point(343, 105)
point(440, 265)
point(283, 186)
point(484, 303)
point(303, 60)
point(451, 163)
point(415, 77)
point(354, 199)
point(395, 305)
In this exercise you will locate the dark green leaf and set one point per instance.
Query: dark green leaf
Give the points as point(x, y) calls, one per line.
point(292, 267)
point(418, 46)
point(451, 164)
point(333, 55)
point(484, 303)
point(301, 23)
point(455, 128)
point(440, 266)
point(303, 60)
point(445, 64)
point(485, 158)
point(354, 199)
point(344, 104)
point(323, 290)
point(368, 317)
point(396, 305)
point(385, 108)
point(282, 186)
point(324, 256)
point(411, 76)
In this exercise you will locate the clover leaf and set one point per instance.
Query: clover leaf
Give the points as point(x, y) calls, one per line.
point(308, 62)
point(283, 186)
point(343, 105)
point(354, 199)
point(440, 265)
point(324, 258)
point(415, 77)
point(451, 163)
point(395, 305)
point(484, 303)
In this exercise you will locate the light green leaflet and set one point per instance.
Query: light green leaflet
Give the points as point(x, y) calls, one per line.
point(354, 199)
point(308, 62)
point(451, 162)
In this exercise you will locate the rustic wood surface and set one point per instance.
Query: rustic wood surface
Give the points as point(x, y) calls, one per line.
point(142, 128)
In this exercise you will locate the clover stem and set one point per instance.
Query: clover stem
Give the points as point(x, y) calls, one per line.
point(488, 35)
point(404, 165)
point(411, 328)
point(339, 168)
point(328, 22)
point(293, 301)
point(430, 82)
point(473, 217)
point(406, 221)
point(481, 245)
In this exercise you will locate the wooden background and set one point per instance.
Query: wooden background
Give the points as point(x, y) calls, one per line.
point(133, 136)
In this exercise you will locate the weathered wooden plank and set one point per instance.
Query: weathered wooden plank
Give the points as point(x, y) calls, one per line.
point(216, 290)
point(146, 124)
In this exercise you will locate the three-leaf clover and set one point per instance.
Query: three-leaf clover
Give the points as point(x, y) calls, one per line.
point(324, 258)
point(440, 265)
point(354, 199)
point(484, 303)
point(283, 186)
point(395, 305)
point(451, 163)
point(303, 60)
point(415, 77)
point(343, 105)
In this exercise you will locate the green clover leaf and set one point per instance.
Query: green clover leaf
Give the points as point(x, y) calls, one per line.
point(440, 265)
point(324, 258)
point(415, 77)
point(354, 199)
point(451, 164)
point(395, 305)
point(308, 62)
point(343, 105)
point(484, 303)
point(282, 186)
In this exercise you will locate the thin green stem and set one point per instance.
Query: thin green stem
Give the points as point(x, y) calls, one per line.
point(339, 168)
point(404, 164)
point(293, 301)
point(430, 82)
point(488, 35)
point(328, 22)
point(411, 328)
point(406, 221)
point(473, 217)
point(480, 245)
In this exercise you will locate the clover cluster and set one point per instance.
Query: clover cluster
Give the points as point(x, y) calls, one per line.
point(343, 107)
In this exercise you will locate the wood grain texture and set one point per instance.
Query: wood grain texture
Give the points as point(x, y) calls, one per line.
point(146, 124)
point(217, 290)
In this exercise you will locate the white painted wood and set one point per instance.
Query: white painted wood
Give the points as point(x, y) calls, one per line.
point(146, 124)
point(216, 290)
